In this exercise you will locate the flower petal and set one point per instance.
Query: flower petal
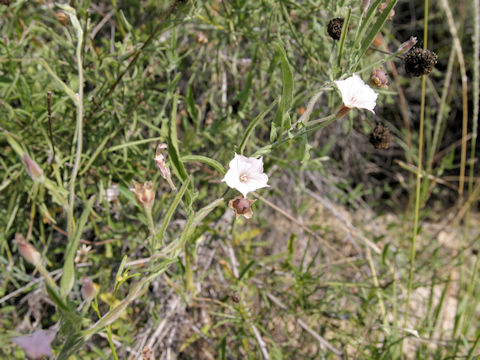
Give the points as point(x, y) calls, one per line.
point(355, 93)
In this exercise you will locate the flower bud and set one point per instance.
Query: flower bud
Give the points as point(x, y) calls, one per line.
point(62, 18)
point(35, 172)
point(379, 78)
point(334, 28)
point(88, 289)
point(407, 45)
point(144, 194)
point(420, 62)
point(380, 137)
point(200, 38)
point(383, 6)
point(27, 251)
point(161, 161)
point(241, 206)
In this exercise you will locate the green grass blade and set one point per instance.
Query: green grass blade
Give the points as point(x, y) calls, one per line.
point(68, 275)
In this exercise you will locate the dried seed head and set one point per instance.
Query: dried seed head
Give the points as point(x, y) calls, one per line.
point(200, 38)
point(241, 206)
point(407, 45)
point(82, 254)
point(144, 194)
point(334, 28)
point(88, 289)
point(380, 137)
point(62, 18)
point(27, 251)
point(379, 78)
point(147, 353)
point(420, 62)
point(35, 172)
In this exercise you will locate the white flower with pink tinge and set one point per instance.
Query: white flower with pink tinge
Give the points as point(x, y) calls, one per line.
point(356, 94)
point(246, 174)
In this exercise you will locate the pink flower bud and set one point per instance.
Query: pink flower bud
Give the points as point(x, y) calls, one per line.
point(241, 206)
point(28, 252)
point(161, 161)
point(88, 289)
point(35, 172)
point(144, 194)
point(407, 45)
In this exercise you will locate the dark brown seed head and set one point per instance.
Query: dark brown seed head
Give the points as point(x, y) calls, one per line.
point(334, 28)
point(420, 62)
point(380, 137)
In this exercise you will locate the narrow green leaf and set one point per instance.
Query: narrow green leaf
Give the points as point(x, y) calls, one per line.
point(252, 125)
point(171, 210)
point(375, 29)
point(287, 93)
point(173, 152)
point(68, 275)
point(343, 37)
point(192, 107)
point(206, 160)
point(245, 270)
point(121, 267)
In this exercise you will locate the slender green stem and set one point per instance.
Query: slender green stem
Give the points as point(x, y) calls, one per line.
point(419, 184)
point(151, 227)
point(110, 342)
point(312, 126)
point(78, 154)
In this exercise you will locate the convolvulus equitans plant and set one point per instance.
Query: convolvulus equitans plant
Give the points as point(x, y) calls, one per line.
point(196, 179)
